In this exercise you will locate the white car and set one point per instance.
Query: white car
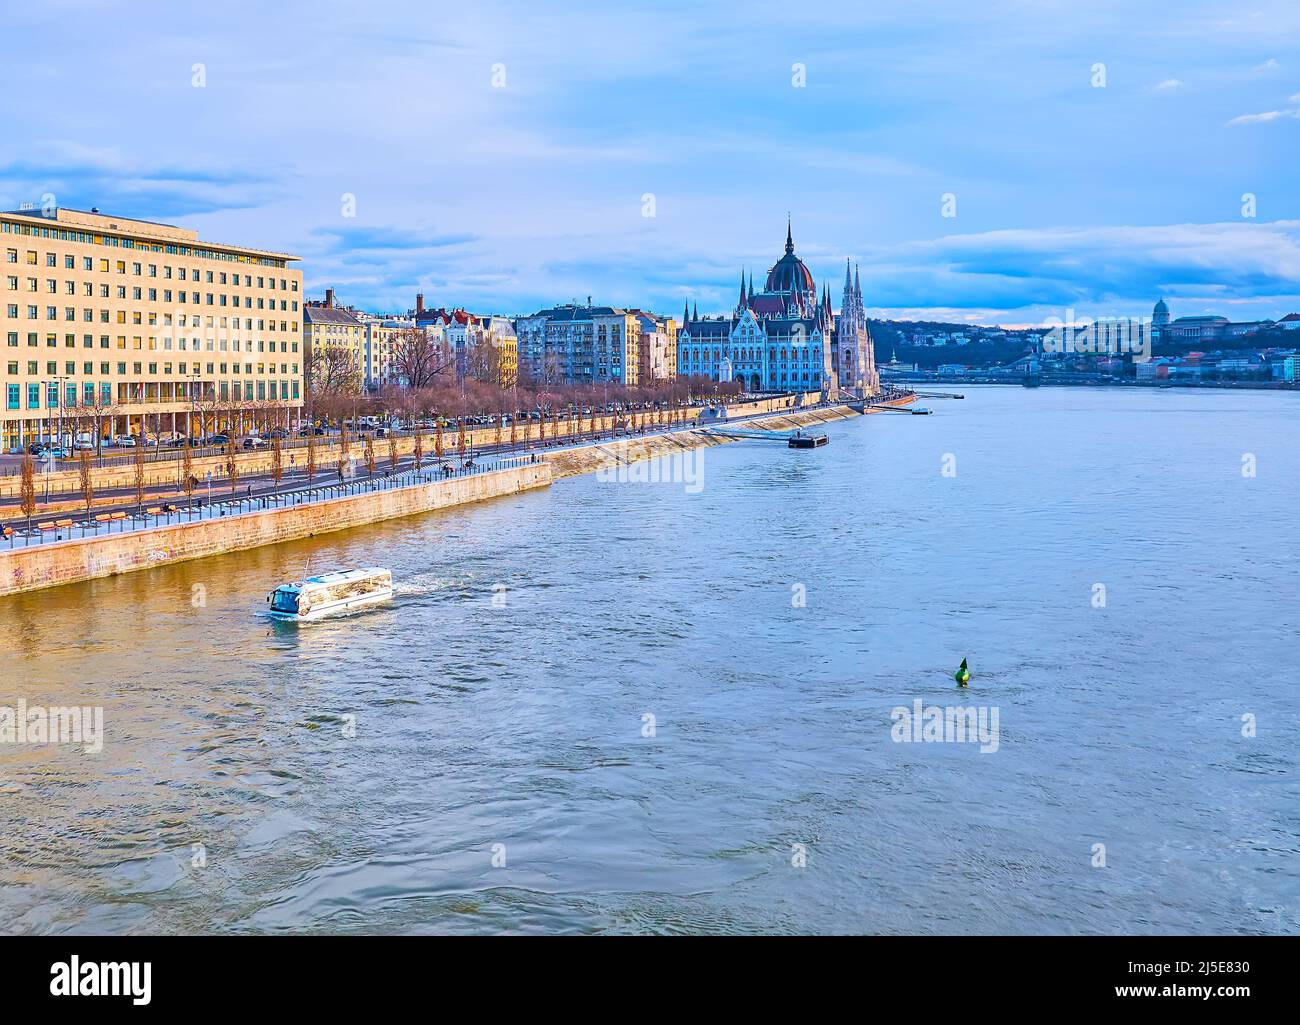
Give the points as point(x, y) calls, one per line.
point(124, 441)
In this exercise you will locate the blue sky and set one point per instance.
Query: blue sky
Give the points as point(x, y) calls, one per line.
point(509, 196)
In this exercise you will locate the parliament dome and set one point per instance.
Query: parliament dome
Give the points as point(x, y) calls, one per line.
point(789, 275)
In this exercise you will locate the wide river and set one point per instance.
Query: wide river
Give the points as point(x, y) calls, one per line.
point(631, 706)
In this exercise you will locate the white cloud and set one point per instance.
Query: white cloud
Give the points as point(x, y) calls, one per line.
point(1263, 117)
point(1268, 65)
point(1170, 83)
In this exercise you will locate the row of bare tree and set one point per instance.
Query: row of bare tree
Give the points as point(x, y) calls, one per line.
point(431, 384)
point(449, 398)
point(205, 417)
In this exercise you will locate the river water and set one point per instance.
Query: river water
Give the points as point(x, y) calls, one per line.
point(627, 706)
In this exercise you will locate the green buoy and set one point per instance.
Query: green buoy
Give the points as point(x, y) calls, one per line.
point(962, 675)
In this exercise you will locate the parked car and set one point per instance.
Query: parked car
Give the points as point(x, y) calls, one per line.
point(124, 441)
point(254, 442)
point(217, 439)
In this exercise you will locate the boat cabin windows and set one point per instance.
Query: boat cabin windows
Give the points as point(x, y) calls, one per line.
point(284, 601)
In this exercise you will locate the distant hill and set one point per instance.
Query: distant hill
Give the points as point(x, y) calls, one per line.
point(985, 346)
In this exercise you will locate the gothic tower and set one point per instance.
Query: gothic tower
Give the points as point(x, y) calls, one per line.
point(857, 353)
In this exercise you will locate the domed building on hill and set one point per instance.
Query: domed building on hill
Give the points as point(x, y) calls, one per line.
point(784, 338)
point(1160, 318)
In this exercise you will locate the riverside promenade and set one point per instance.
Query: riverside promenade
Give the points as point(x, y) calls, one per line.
point(85, 550)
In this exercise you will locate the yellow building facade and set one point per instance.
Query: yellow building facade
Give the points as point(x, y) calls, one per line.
point(112, 325)
point(334, 342)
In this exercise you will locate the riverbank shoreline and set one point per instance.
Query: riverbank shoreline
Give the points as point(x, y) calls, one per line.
point(624, 451)
point(75, 560)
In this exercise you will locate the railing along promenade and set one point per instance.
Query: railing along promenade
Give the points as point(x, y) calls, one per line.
point(76, 528)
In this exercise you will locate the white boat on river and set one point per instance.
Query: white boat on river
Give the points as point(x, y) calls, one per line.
point(330, 592)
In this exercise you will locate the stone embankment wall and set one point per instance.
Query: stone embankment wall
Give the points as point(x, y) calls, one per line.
point(591, 458)
point(26, 569)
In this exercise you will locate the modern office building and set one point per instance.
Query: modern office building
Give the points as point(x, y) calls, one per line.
point(112, 325)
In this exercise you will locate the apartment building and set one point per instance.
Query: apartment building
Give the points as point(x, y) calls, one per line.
point(575, 344)
point(499, 335)
point(484, 346)
point(381, 363)
point(657, 351)
point(114, 325)
point(334, 346)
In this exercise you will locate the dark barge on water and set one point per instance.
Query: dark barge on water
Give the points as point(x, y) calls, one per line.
point(801, 440)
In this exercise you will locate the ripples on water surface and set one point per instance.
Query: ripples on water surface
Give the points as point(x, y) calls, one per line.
point(521, 726)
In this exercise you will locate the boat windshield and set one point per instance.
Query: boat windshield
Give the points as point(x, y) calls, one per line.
point(284, 601)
